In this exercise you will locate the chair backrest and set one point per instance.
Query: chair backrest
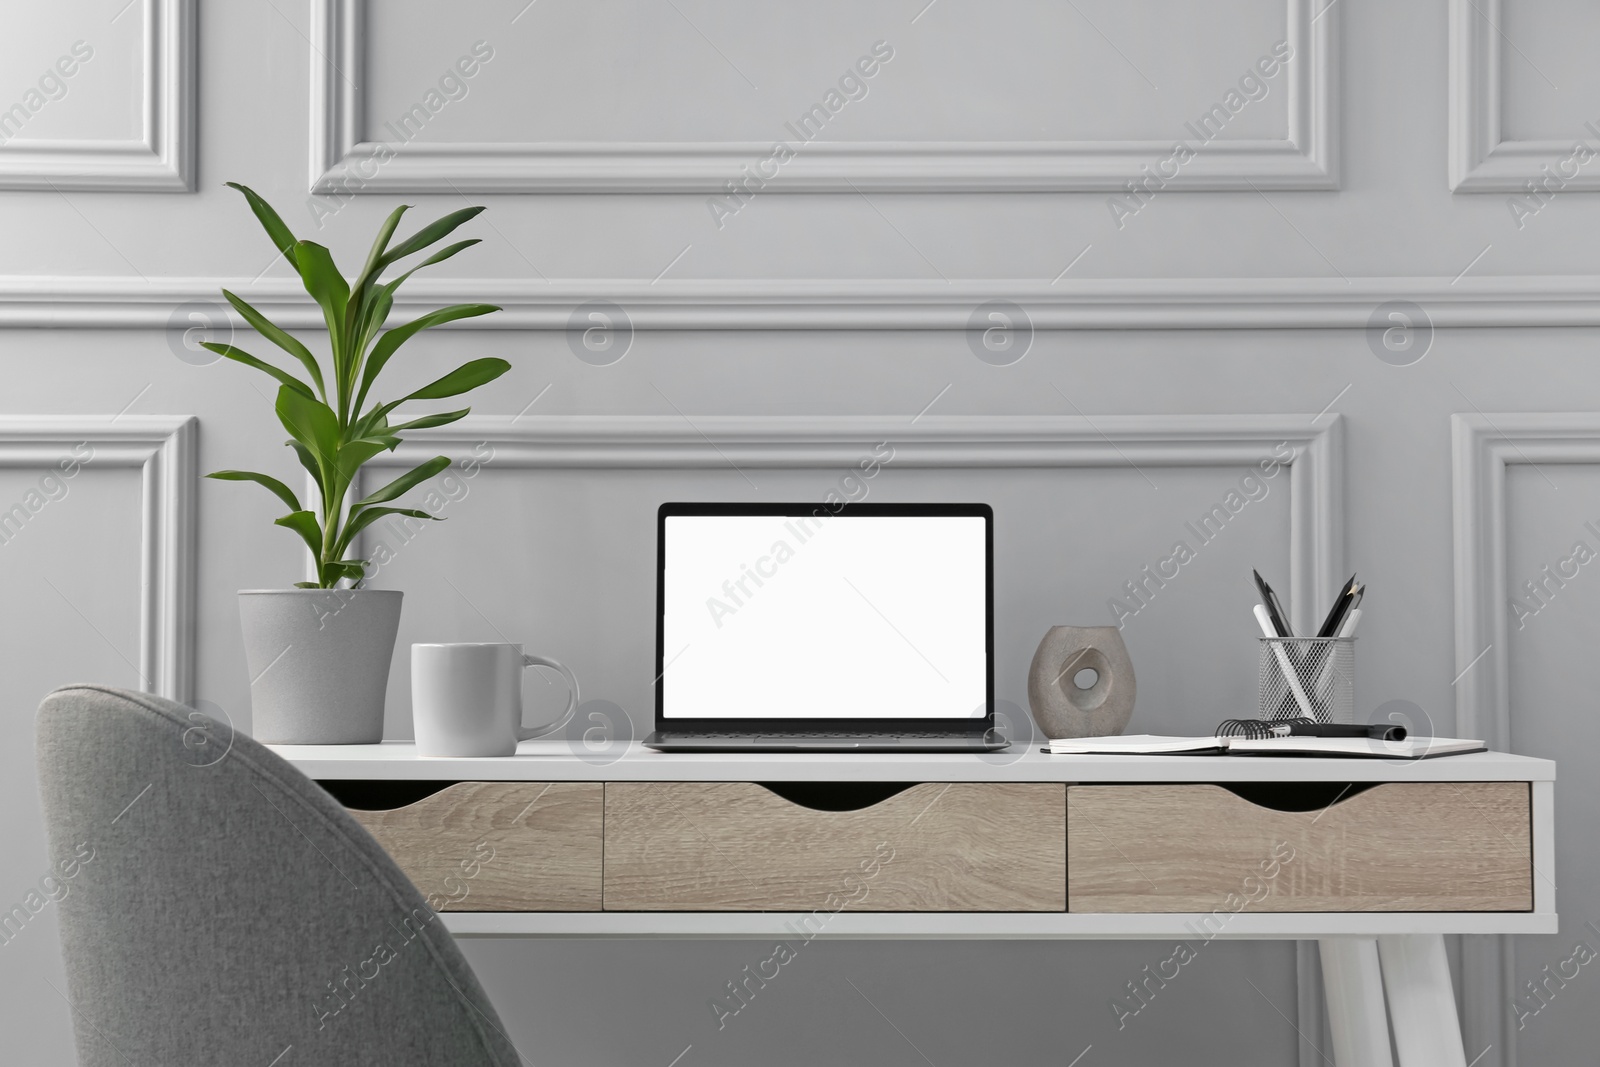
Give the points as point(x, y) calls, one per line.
point(219, 907)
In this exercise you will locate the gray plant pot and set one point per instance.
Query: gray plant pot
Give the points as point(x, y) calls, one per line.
point(319, 663)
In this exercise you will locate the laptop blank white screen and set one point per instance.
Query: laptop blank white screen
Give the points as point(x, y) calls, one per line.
point(851, 616)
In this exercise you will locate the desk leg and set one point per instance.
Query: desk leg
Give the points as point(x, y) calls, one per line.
point(1354, 988)
point(1422, 1005)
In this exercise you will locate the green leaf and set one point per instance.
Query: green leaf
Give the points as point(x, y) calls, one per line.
point(393, 339)
point(281, 491)
point(463, 379)
point(445, 253)
point(368, 516)
point(360, 520)
point(380, 244)
point(332, 293)
point(305, 524)
point(354, 454)
point(353, 569)
point(378, 314)
point(361, 326)
point(444, 418)
point(374, 315)
point(407, 481)
point(270, 222)
point(437, 257)
point(324, 282)
point(308, 585)
point(430, 233)
point(239, 355)
point(312, 423)
point(309, 462)
point(271, 332)
point(372, 424)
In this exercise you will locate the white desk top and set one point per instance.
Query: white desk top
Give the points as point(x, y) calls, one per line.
point(556, 761)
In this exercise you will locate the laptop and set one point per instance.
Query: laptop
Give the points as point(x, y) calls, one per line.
point(858, 627)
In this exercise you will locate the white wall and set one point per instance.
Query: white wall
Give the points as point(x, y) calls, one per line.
point(981, 164)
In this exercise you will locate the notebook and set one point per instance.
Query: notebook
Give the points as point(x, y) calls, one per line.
point(1357, 747)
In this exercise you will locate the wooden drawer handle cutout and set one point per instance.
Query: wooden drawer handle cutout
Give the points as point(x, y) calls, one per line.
point(1296, 796)
point(836, 796)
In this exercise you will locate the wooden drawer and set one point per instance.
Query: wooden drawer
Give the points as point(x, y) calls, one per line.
point(499, 846)
point(1413, 846)
point(738, 846)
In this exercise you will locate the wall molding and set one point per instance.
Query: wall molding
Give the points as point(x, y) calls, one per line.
point(1483, 446)
point(1480, 160)
point(797, 442)
point(162, 159)
point(1316, 473)
point(163, 449)
point(343, 164)
point(28, 301)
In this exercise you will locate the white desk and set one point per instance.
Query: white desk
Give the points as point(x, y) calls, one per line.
point(1405, 945)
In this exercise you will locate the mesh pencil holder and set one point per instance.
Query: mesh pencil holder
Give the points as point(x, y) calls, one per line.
point(1308, 677)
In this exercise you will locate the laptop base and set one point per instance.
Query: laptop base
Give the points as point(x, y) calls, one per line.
point(676, 741)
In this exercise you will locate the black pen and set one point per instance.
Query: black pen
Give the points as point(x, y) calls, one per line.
point(1269, 599)
point(1373, 731)
point(1348, 597)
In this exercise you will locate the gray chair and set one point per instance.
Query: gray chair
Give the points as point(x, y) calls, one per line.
point(220, 908)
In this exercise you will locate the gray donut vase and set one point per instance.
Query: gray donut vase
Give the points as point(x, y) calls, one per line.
point(1061, 708)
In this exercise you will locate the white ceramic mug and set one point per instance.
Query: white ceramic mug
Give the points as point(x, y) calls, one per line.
point(466, 698)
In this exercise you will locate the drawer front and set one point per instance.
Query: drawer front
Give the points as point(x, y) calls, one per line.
point(499, 846)
point(1413, 846)
point(738, 846)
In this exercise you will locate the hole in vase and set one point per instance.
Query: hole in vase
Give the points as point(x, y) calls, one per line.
point(1086, 665)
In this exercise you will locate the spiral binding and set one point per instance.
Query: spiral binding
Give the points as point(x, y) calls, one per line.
point(1257, 729)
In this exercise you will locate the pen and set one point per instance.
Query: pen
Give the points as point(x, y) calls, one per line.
point(1300, 698)
point(1350, 621)
point(1348, 629)
point(1279, 621)
point(1374, 731)
point(1348, 598)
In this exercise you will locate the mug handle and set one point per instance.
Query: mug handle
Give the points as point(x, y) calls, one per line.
point(523, 733)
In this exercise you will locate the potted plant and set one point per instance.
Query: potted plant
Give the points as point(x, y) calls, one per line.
point(319, 653)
